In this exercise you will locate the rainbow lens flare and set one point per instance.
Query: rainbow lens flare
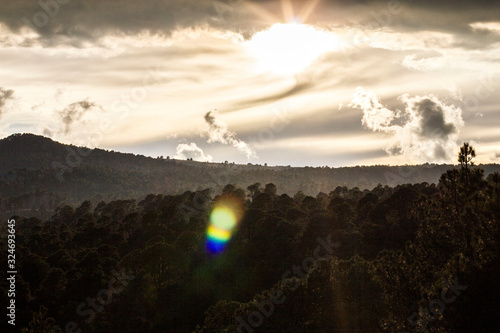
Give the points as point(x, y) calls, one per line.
point(223, 221)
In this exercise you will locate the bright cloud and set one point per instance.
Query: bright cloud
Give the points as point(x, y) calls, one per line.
point(185, 151)
point(428, 131)
point(218, 132)
point(486, 26)
point(375, 116)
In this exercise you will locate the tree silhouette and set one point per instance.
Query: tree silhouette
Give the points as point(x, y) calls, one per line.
point(465, 156)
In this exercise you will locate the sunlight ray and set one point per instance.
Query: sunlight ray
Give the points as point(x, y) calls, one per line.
point(287, 8)
point(307, 10)
point(261, 12)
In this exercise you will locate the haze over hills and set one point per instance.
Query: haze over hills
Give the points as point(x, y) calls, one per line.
point(39, 172)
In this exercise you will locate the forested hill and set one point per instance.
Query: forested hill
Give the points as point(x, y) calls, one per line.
point(36, 171)
point(410, 258)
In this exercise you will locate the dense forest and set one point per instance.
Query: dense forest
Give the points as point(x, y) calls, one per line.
point(407, 258)
point(38, 175)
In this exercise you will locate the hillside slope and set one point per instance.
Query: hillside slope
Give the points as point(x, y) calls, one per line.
point(36, 171)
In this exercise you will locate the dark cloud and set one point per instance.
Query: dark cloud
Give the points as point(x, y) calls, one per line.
point(432, 122)
point(295, 89)
point(452, 17)
point(75, 111)
point(210, 119)
point(5, 94)
point(47, 132)
point(88, 19)
point(91, 19)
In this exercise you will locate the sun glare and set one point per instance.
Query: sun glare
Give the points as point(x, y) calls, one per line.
point(290, 48)
point(223, 223)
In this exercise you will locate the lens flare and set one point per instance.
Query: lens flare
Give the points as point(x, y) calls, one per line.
point(223, 221)
point(219, 234)
point(223, 218)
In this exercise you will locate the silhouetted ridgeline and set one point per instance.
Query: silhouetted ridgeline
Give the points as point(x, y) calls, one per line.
point(37, 173)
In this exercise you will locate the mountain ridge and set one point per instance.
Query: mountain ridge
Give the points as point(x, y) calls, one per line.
point(34, 168)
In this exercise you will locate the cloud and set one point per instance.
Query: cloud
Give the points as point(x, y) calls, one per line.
point(295, 89)
point(494, 156)
point(486, 26)
point(375, 116)
point(185, 151)
point(190, 50)
point(5, 95)
point(75, 111)
point(47, 132)
point(427, 130)
point(425, 64)
point(217, 132)
point(77, 21)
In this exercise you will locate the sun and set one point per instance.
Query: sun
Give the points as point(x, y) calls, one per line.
point(289, 48)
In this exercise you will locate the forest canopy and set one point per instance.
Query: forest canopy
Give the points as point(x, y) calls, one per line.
point(408, 258)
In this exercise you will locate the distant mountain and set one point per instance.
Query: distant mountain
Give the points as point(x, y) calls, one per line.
point(37, 172)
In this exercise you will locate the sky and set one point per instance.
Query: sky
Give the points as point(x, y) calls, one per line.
point(282, 82)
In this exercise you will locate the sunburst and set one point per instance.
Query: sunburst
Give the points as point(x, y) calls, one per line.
point(289, 45)
point(287, 11)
